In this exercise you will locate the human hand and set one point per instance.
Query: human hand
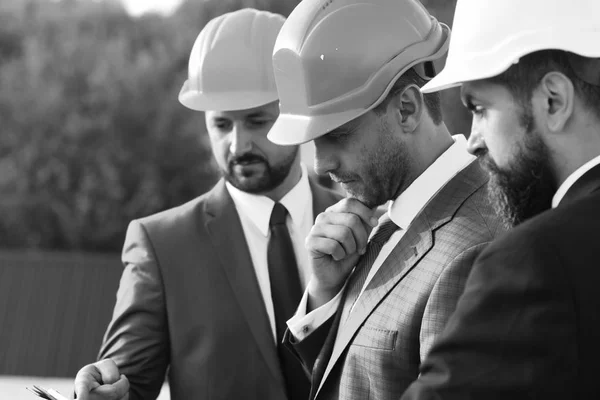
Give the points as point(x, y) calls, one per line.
point(101, 381)
point(336, 241)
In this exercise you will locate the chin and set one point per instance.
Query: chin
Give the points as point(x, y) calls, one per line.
point(369, 201)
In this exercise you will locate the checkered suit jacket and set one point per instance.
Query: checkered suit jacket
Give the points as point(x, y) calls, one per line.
point(379, 348)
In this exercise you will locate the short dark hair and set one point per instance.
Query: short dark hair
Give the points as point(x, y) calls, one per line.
point(433, 101)
point(522, 78)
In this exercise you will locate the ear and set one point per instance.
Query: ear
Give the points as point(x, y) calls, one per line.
point(557, 94)
point(408, 108)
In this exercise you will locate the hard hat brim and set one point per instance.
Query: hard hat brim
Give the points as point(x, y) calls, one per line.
point(290, 129)
point(474, 67)
point(223, 101)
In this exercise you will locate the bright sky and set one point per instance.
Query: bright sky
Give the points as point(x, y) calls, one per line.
point(138, 7)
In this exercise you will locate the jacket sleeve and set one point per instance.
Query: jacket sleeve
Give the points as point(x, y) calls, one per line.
point(512, 334)
point(137, 336)
point(307, 350)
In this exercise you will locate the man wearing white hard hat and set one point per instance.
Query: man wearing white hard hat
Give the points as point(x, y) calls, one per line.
point(528, 324)
point(348, 74)
point(208, 286)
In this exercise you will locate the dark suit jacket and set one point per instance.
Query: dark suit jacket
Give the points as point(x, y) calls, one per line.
point(189, 300)
point(403, 309)
point(528, 324)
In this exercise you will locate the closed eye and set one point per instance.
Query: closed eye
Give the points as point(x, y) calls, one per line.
point(474, 109)
point(222, 124)
point(259, 122)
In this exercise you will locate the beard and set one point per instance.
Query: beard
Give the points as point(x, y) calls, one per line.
point(253, 181)
point(383, 172)
point(525, 189)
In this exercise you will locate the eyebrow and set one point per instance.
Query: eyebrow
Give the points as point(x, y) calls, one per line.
point(466, 98)
point(220, 118)
point(259, 114)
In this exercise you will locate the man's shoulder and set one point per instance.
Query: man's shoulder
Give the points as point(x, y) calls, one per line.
point(184, 212)
point(466, 207)
point(555, 227)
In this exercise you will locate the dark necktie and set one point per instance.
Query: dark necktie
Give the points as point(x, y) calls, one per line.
point(286, 294)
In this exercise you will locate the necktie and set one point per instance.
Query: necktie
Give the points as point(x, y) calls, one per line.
point(384, 231)
point(286, 294)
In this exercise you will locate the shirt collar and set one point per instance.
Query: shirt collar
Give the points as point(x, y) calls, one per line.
point(258, 208)
point(404, 209)
point(566, 185)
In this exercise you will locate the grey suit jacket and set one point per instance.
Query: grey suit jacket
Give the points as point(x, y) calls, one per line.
point(378, 349)
point(189, 303)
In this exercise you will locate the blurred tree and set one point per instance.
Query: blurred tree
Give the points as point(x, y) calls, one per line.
point(92, 134)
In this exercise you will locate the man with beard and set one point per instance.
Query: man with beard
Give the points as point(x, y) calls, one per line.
point(528, 324)
point(208, 286)
point(381, 139)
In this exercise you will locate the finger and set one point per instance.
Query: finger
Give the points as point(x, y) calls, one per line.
point(353, 206)
point(359, 230)
point(340, 233)
point(119, 390)
point(320, 246)
point(87, 379)
point(108, 370)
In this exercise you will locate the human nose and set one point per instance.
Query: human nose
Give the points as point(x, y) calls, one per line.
point(241, 141)
point(325, 159)
point(475, 144)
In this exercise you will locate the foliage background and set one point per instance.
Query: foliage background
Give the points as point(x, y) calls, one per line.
point(91, 132)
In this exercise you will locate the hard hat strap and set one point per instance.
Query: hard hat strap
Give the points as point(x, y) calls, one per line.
point(425, 70)
point(586, 69)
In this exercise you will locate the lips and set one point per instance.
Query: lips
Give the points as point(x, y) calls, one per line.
point(247, 160)
point(340, 180)
point(244, 163)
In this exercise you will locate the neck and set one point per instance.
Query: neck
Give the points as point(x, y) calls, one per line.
point(431, 143)
point(571, 150)
point(288, 183)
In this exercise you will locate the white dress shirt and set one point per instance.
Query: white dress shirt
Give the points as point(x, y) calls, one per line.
point(578, 173)
point(255, 213)
point(403, 210)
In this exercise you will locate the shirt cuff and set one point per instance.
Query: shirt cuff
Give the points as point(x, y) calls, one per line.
point(302, 324)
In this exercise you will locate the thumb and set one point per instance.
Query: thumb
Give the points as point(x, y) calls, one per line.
point(87, 379)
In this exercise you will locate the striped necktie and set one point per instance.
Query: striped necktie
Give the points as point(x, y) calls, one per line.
point(384, 231)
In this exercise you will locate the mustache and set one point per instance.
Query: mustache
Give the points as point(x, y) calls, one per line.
point(247, 158)
point(486, 161)
point(341, 177)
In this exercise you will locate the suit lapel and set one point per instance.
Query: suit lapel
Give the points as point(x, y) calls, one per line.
point(225, 229)
point(413, 246)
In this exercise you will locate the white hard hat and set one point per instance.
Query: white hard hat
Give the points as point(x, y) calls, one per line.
point(230, 64)
point(489, 36)
point(336, 59)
